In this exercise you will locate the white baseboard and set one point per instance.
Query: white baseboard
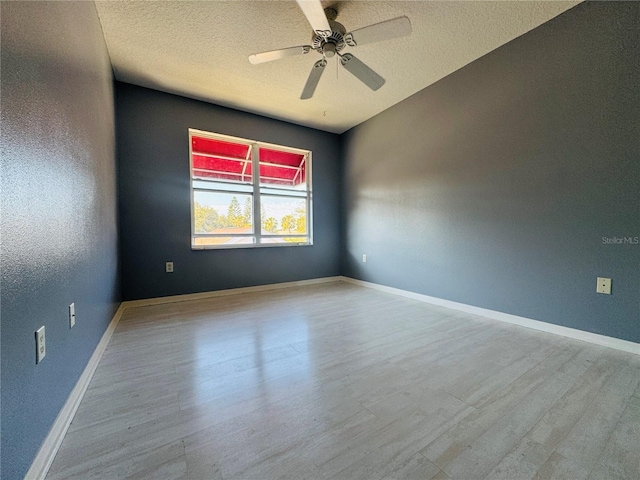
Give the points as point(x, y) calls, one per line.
point(51, 444)
point(589, 337)
point(231, 291)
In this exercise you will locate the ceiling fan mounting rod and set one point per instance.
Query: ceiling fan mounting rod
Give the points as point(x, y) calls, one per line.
point(331, 13)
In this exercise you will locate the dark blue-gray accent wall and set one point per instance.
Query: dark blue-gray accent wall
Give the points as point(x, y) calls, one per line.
point(155, 215)
point(59, 224)
point(495, 186)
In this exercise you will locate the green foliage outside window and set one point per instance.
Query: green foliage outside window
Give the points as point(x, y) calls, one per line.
point(207, 219)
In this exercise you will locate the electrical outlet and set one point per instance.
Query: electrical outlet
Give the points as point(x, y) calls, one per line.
point(364, 257)
point(41, 347)
point(169, 267)
point(604, 285)
point(72, 315)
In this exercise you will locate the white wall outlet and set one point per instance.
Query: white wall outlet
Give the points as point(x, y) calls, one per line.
point(604, 285)
point(169, 267)
point(364, 257)
point(72, 315)
point(41, 347)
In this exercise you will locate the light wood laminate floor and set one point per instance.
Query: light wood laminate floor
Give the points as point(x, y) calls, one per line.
point(336, 381)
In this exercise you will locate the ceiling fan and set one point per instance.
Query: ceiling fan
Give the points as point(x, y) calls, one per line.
point(330, 38)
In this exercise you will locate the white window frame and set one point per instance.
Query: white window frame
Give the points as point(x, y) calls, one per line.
point(257, 234)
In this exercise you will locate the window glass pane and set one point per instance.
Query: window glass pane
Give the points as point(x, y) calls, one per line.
point(222, 213)
point(220, 160)
point(283, 215)
point(282, 169)
point(223, 241)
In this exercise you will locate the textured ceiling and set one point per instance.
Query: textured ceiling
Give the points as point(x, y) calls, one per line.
point(200, 50)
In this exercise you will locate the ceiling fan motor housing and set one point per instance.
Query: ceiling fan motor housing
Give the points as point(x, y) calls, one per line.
point(330, 44)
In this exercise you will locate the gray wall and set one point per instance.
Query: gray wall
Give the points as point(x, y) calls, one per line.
point(495, 186)
point(153, 179)
point(59, 238)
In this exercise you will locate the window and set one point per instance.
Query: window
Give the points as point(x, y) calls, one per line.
point(229, 201)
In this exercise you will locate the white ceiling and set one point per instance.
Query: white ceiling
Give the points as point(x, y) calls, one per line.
point(199, 50)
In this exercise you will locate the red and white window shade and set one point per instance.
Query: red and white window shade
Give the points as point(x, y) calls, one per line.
point(228, 200)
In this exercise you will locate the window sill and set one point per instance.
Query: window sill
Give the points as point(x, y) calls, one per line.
point(253, 245)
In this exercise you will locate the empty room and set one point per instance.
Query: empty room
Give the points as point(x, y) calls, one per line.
point(308, 239)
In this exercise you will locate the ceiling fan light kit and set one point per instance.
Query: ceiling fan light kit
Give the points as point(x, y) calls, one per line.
point(330, 38)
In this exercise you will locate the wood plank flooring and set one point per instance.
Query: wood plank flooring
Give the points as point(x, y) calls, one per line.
point(337, 381)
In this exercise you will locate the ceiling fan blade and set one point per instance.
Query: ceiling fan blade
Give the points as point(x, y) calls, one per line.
point(394, 28)
point(363, 73)
point(278, 54)
point(314, 12)
point(314, 78)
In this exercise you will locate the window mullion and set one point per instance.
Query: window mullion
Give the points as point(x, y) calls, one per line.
point(257, 214)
